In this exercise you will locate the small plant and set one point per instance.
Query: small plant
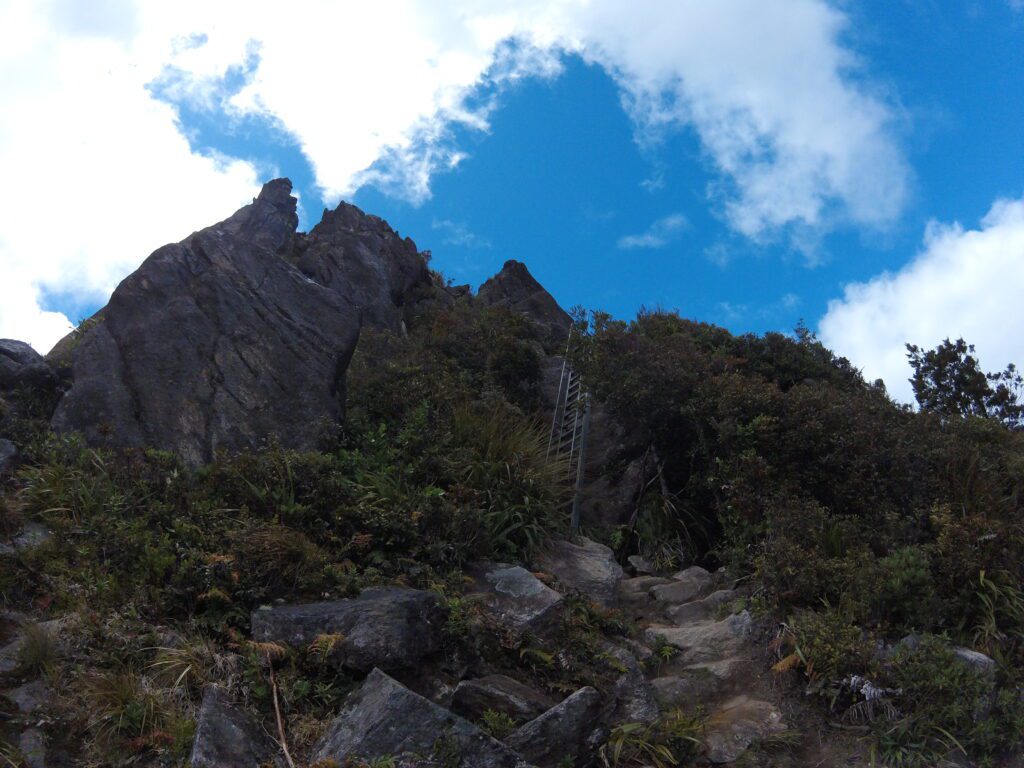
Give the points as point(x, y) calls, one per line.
point(498, 724)
point(662, 652)
point(190, 666)
point(124, 704)
point(666, 742)
point(323, 646)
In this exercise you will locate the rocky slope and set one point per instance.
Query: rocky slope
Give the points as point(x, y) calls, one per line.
point(371, 566)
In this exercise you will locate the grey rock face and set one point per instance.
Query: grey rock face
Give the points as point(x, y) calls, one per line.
point(707, 640)
point(516, 598)
point(360, 257)
point(587, 567)
point(216, 342)
point(981, 663)
point(387, 627)
point(516, 289)
point(701, 609)
point(686, 585)
point(227, 737)
point(641, 565)
point(502, 694)
point(239, 333)
point(633, 699)
point(385, 718)
point(565, 730)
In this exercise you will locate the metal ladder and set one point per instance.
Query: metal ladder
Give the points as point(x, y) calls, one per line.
point(570, 424)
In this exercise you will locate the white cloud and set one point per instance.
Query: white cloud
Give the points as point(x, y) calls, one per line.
point(658, 235)
point(963, 283)
point(97, 174)
point(459, 233)
point(374, 93)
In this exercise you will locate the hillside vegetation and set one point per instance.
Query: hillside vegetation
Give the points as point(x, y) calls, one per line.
point(877, 549)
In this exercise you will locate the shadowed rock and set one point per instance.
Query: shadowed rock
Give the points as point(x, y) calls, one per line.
point(384, 718)
point(20, 365)
point(567, 730)
point(516, 289)
point(632, 698)
point(228, 737)
point(387, 627)
point(502, 694)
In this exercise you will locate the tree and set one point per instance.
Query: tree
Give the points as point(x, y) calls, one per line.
point(949, 380)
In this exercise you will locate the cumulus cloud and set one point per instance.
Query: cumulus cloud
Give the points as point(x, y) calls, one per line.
point(963, 283)
point(658, 235)
point(97, 174)
point(377, 93)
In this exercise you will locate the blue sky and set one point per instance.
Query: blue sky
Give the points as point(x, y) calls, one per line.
point(858, 165)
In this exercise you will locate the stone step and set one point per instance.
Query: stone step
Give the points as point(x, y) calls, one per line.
point(704, 641)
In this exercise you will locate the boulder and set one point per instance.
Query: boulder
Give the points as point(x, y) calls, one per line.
point(705, 641)
point(567, 730)
point(687, 689)
point(587, 567)
point(502, 694)
point(516, 599)
point(984, 665)
point(737, 724)
point(701, 609)
point(516, 289)
point(22, 366)
point(685, 586)
point(384, 718)
point(632, 698)
point(387, 627)
point(641, 565)
point(699, 683)
point(228, 737)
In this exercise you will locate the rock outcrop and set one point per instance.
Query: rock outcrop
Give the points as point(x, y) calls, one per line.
point(20, 365)
point(516, 599)
point(567, 730)
point(386, 627)
point(516, 289)
point(239, 333)
point(587, 567)
point(386, 719)
point(228, 737)
point(499, 693)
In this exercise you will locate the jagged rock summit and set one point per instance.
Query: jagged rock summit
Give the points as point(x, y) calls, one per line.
point(516, 289)
point(240, 332)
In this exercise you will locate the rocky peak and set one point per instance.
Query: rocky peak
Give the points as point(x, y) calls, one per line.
point(270, 221)
point(362, 258)
point(515, 288)
point(241, 332)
